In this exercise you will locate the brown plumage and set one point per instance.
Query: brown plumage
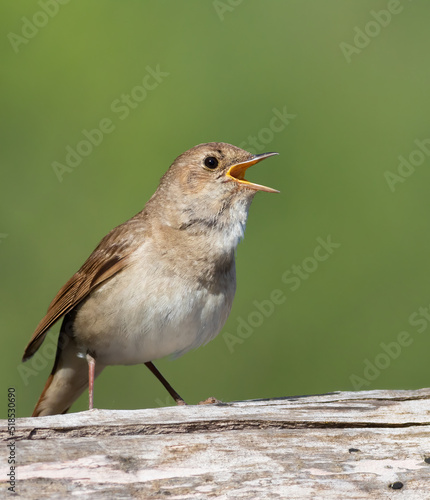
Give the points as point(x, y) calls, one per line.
point(161, 283)
point(109, 257)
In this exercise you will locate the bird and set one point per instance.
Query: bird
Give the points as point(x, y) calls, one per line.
point(162, 283)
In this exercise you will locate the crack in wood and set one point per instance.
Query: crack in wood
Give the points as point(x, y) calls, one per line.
point(367, 445)
point(203, 426)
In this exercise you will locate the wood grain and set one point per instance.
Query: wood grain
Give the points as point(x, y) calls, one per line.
point(352, 445)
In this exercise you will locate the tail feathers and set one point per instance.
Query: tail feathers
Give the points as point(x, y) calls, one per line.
point(68, 380)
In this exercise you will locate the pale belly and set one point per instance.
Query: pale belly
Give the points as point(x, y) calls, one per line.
point(135, 318)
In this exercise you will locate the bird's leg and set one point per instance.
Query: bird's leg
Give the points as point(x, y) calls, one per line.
point(170, 390)
point(91, 371)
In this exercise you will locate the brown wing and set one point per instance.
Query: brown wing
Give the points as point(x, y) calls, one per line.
point(110, 257)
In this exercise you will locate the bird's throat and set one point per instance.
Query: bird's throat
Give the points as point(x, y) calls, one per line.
point(222, 232)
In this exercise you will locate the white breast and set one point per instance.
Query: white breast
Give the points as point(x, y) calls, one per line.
point(144, 313)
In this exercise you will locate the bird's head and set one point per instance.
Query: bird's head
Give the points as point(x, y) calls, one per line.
point(207, 183)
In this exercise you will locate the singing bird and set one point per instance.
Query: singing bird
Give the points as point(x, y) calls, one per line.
point(161, 283)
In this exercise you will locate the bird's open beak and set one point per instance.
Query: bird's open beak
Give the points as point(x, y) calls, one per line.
point(237, 172)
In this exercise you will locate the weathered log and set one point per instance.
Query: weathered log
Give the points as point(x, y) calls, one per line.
point(343, 445)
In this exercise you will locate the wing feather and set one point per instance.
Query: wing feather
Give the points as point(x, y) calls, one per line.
point(110, 257)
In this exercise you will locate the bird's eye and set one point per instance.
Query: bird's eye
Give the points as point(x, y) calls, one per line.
point(211, 162)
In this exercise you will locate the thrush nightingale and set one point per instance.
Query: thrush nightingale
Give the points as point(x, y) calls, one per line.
point(161, 283)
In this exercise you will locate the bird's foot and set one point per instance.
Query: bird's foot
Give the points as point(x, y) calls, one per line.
point(210, 401)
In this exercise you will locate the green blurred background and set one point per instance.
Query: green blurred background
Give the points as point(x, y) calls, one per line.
point(357, 104)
